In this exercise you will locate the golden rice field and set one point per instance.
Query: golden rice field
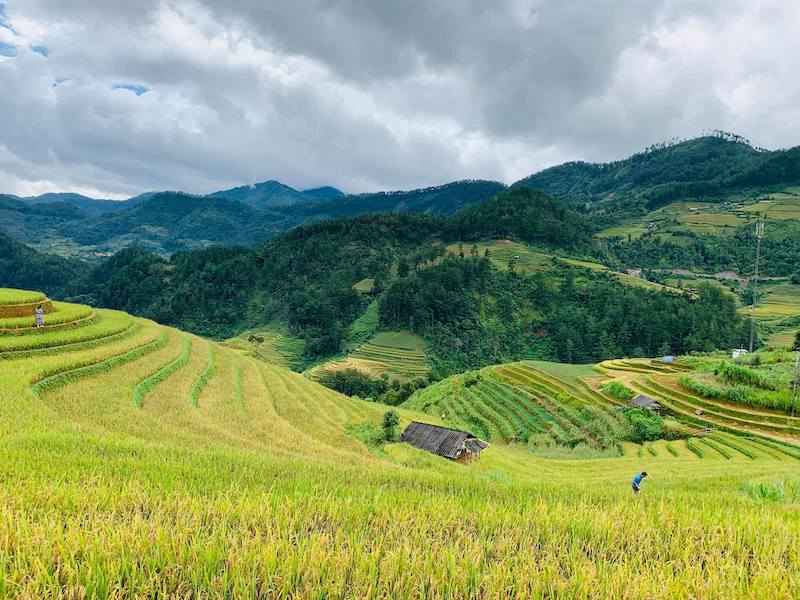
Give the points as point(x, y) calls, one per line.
point(778, 308)
point(400, 355)
point(138, 461)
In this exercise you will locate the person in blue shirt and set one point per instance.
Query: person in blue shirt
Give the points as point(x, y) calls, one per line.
point(636, 484)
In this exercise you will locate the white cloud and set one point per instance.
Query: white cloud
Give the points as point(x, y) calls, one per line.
point(373, 94)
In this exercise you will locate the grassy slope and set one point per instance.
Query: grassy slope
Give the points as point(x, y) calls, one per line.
point(705, 217)
point(258, 491)
point(399, 354)
point(528, 260)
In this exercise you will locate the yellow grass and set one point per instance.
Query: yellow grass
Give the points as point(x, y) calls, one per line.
point(264, 494)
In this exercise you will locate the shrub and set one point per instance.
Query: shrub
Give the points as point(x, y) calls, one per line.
point(390, 423)
point(646, 425)
point(733, 373)
point(352, 382)
point(618, 390)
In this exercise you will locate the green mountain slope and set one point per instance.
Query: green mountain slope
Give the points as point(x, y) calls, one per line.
point(706, 168)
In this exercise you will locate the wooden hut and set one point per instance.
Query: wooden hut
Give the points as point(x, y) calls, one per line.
point(642, 401)
point(460, 446)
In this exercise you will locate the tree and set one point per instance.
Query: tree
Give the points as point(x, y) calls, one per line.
point(390, 423)
point(402, 267)
point(797, 341)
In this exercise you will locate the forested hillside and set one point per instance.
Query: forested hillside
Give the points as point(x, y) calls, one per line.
point(23, 267)
point(167, 222)
point(474, 315)
point(709, 167)
point(318, 279)
point(713, 253)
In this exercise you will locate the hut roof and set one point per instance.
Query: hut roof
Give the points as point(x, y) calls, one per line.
point(642, 401)
point(441, 440)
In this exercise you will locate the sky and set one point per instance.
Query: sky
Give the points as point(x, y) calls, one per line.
point(111, 98)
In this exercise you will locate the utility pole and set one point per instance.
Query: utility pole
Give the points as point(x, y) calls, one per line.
point(759, 235)
point(796, 381)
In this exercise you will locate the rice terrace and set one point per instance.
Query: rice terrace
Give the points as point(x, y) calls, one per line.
point(146, 461)
point(386, 300)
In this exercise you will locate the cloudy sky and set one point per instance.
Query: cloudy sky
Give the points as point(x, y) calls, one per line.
point(114, 97)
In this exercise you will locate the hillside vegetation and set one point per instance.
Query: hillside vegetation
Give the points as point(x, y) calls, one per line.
point(708, 167)
point(142, 461)
point(319, 282)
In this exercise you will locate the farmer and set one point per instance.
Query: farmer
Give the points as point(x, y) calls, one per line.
point(636, 484)
point(39, 316)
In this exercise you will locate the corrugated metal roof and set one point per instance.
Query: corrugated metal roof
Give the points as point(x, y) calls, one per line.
point(439, 440)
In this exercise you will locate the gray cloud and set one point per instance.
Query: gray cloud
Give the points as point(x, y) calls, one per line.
point(375, 94)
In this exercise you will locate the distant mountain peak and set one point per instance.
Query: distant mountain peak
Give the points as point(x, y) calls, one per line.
point(267, 194)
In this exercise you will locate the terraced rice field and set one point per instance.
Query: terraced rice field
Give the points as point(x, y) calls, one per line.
point(778, 309)
point(659, 382)
point(399, 354)
point(152, 463)
point(271, 347)
point(718, 218)
point(518, 401)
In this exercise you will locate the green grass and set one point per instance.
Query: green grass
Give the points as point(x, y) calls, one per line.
point(11, 296)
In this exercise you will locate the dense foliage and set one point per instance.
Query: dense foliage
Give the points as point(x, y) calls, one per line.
point(22, 267)
point(472, 315)
point(780, 249)
point(523, 214)
point(707, 167)
point(167, 222)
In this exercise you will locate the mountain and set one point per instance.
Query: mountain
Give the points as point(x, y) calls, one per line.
point(166, 222)
point(324, 192)
point(88, 205)
point(170, 221)
point(707, 168)
point(444, 200)
point(268, 194)
point(27, 222)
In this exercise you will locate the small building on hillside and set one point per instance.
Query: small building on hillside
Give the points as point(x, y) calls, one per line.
point(460, 446)
point(642, 401)
point(737, 352)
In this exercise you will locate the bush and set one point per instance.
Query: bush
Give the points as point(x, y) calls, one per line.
point(646, 425)
point(390, 423)
point(733, 373)
point(618, 390)
point(352, 382)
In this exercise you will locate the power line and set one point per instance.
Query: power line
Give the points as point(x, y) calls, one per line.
point(759, 235)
